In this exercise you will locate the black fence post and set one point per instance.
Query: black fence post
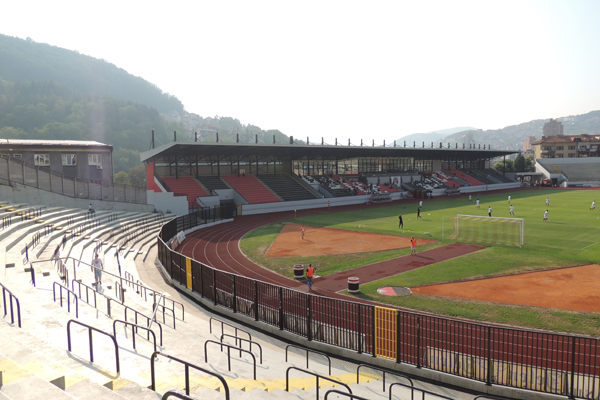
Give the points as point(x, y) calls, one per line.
point(374, 331)
point(398, 336)
point(202, 280)
point(215, 286)
point(234, 305)
point(308, 317)
point(489, 356)
point(572, 391)
point(280, 308)
point(255, 300)
point(359, 330)
point(418, 341)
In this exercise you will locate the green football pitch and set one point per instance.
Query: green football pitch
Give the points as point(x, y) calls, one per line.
point(571, 236)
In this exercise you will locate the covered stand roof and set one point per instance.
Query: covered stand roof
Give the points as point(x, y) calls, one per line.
point(197, 151)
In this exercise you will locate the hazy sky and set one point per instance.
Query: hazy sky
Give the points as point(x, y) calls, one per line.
point(346, 69)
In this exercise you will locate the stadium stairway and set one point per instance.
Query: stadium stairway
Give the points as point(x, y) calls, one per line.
point(37, 354)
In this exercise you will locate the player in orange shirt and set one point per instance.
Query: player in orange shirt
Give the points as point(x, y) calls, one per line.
point(302, 230)
point(413, 246)
point(310, 272)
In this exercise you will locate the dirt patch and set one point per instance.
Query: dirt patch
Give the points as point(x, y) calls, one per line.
point(320, 241)
point(574, 288)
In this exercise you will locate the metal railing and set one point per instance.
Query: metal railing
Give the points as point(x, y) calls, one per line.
point(10, 300)
point(91, 343)
point(250, 342)
point(156, 307)
point(134, 328)
point(223, 323)
point(6, 221)
point(422, 391)
point(287, 379)
point(69, 292)
point(172, 393)
point(77, 262)
point(229, 347)
point(187, 373)
point(339, 393)
point(307, 351)
point(380, 370)
point(87, 294)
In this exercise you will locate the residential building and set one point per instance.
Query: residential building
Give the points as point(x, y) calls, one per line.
point(567, 146)
point(553, 128)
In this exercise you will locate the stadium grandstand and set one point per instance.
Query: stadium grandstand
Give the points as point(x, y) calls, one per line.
point(248, 178)
point(570, 172)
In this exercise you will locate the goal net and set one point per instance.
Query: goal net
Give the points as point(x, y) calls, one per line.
point(492, 230)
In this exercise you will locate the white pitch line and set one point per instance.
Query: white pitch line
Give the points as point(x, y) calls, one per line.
point(588, 246)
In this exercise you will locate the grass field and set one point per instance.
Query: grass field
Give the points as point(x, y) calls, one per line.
point(570, 237)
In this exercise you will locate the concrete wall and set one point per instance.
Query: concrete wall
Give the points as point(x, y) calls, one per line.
point(25, 194)
point(167, 202)
point(265, 208)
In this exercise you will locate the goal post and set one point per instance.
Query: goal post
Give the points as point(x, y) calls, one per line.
point(490, 230)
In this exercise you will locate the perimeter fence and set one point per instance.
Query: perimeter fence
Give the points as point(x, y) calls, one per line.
point(19, 171)
point(539, 361)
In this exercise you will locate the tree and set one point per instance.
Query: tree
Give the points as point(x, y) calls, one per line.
point(520, 165)
point(122, 178)
point(530, 163)
point(137, 176)
point(500, 166)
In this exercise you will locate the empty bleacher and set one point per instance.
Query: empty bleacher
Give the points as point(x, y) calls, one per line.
point(498, 175)
point(481, 176)
point(251, 189)
point(286, 187)
point(186, 185)
point(588, 172)
point(470, 180)
point(212, 182)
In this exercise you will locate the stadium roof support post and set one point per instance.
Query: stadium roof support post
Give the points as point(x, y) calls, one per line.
point(217, 134)
point(195, 136)
point(373, 142)
point(291, 140)
point(174, 136)
point(394, 143)
point(322, 141)
point(414, 144)
point(256, 138)
point(504, 169)
point(152, 143)
point(237, 137)
point(405, 143)
point(336, 141)
point(383, 142)
point(348, 142)
point(361, 143)
point(307, 142)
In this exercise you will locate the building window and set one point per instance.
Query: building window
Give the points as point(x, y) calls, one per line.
point(560, 147)
point(571, 147)
point(559, 155)
point(69, 159)
point(41, 160)
point(571, 155)
point(94, 159)
point(19, 156)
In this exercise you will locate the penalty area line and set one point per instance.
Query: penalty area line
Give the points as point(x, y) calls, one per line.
point(588, 246)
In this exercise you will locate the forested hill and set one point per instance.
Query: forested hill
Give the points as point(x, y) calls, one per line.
point(26, 60)
point(52, 111)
